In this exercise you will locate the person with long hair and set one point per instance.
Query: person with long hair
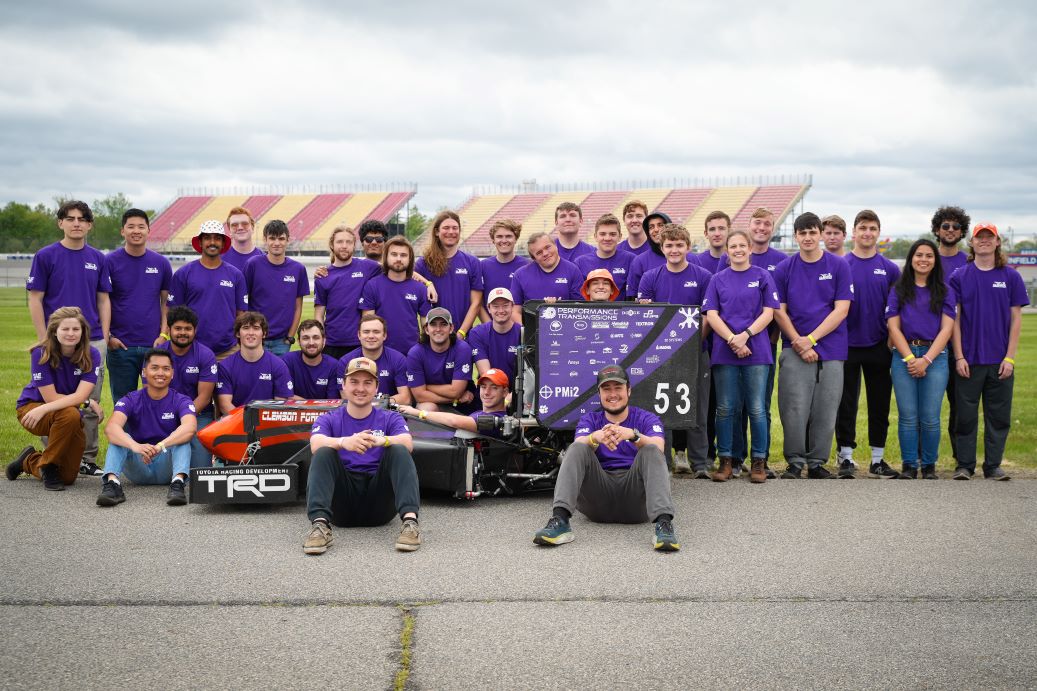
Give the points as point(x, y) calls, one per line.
point(920, 318)
point(456, 275)
point(65, 369)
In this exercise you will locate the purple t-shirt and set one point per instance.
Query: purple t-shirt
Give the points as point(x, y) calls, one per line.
point(318, 381)
point(339, 292)
point(71, 278)
point(198, 364)
point(686, 287)
point(917, 319)
point(399, 304)
point(642, 265)
point(624, 246)
point(710, 263)
point(648, 424)
point(618, 265)
point(149, 421)
point(426, 366)
point(533, 283)
point(380, 422)
point(810, 292)
point(392, 369)
point(216, 296)
point(769, 260)
point(463, 275)
point(872, 279)
point(952, 264)
point(65, 379)
point(500, 349)
point(497, 275)
point(239, 260)
point(273, 290)
point(137, 283)
point(571, 255)
point(266, 378)
point(986, 299)
point(739, 298)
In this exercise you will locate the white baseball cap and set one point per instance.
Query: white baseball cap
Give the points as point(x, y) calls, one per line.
point(500, 293)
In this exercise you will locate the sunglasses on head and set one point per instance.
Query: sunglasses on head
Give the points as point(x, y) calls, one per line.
point(947, 226)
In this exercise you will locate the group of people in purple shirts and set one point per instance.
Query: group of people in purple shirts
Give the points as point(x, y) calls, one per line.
point(218, 332)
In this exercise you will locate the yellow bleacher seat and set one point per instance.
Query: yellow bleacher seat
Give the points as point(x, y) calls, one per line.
point(352, 213)
point(216, 210)
point(479, 210)
point(543, 219)
point(730, 200)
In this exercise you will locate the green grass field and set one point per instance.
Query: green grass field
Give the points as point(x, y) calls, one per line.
point(17, 336)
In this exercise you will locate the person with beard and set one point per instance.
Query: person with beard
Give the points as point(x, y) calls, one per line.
point(636, 243)
point(194, 373)
point(607, 256)
point(373, 236)
point(456, 275)
point(494, 387)
point(614, 471)
point(396, 296)
point(393, 378)
point(950, 224)
point(495, 343)
point(251, 374)
point(568, 219)
point(314, 374)
point(549, 278)
point(718, 225)
point(242, 228)
point(653, 258)
point(499, 270)
point(337, 290)
point(833, 233)
point(276, 286)
point(439, 368)
point(212, 287)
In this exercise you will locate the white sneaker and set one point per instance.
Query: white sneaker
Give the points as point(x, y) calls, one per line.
point(681, 466)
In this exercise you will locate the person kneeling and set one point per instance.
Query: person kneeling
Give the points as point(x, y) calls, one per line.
point(614, 471)
point(149, 435)
point(362, 472)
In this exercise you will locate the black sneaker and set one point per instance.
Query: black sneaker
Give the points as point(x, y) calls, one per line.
point(665, 537)
point(882, 469)
point(819, 472)
point(771, 473)
point(908, 473)
point(176, 496)
point(929, 473)
point(997, 474)
point(51, 478)
point(793, 472)
point(111, 493)
point(17, 466)
point(962, 474)
point(90, 469)
point(846, 468)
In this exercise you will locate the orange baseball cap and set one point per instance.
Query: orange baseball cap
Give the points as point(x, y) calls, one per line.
point(985, 226)
point(495, 376)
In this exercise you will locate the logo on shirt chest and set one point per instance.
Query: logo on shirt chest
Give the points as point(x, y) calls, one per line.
point(825, 277)
point(619, 270)
point(753, 284)
point(167, 416)
point(289, 279)
point(383, 373)
point(449, 365)
point(564, 281)
point(226, 284)
point(999, 284)
point(265, 376)
point(460, 271)
point(691, 284)
point(771, 267)
point(357, 274)
point(151, 270)
point(90, 266)
point(77, 372)
point(191, 369)
point(322, 382)
point(879, 272)
point(411, 297)
point(37, 376)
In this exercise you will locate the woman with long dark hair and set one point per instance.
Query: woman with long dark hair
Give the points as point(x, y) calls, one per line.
point(920, 317)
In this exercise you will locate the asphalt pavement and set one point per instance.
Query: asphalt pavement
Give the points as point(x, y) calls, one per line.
point(801, 584)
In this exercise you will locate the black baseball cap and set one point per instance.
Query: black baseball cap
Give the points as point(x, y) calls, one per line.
point(613, 373)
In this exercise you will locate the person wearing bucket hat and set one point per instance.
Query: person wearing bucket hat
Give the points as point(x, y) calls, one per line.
point(439, 368)
point(607, 255)
point(212, 288)
point(614, 471)
point(362, 472)
point(599, 287)
point(991, 296)
point(495, 343)
point(494, 386)
point(653, 258)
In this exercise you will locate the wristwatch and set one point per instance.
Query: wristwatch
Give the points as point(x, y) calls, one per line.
point(636, 437)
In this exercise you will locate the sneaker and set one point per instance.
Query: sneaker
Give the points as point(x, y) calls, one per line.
point(962, 474)
point(701, 474)
point(681, 466)
point(793, 472)
point(909, 473)
point(665, 537)
point(997, 474)
point(17, 466)
point(410, 537)
point(882, 469)
point(90, 469)
point(737, 467)
point(176, 496)
point(929, 473)
point(318, 539)
point(819, 472)
point(111, 493)
point(51, 478)
point(771, 473)
point(556, 532)
point(846, 468)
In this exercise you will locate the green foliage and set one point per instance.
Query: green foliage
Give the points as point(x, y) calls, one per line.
point(416, 223)
point(27, 229)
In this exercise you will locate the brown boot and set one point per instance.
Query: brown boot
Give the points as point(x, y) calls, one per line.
point(758, 473)
point(724, 474)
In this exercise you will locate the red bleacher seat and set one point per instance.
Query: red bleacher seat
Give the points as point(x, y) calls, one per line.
point(169, 222)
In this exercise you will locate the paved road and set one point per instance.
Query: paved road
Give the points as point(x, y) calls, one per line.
point(793, 584)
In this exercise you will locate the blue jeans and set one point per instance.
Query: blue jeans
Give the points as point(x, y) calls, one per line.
point(124, 367)
point(161, 470)
point(919, 402)
point(741, 387)
point(277, 346)
point(200, 456)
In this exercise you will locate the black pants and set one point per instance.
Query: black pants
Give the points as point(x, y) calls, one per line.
point(352, 499)
point(952, 410)
point(996, 394)
point(874, 361)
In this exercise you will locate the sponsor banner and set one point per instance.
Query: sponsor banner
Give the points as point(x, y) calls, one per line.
point(245, 484)
point(1022, 259)
point(657, 344)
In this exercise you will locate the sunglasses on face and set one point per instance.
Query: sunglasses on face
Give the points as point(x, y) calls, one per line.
point(374, 238)
point(947, 226)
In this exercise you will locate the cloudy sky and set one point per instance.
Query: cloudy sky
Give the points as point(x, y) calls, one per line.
point(897, 106)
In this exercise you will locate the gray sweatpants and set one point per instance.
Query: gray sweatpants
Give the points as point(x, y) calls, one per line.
point(635, 495)
point(808, 402)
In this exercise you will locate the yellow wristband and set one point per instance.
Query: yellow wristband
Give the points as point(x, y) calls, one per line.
point(909, 358)
point(462, 333)
point(161, 445)
point(386, 442)
point(164, 336)
point(810, 337)
point(594, 444)
point(422, 414)
point(1010, 361)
